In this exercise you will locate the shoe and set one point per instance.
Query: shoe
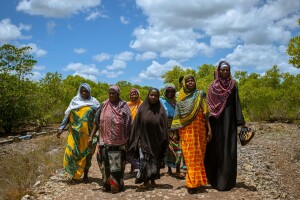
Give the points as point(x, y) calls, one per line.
point(192, 190)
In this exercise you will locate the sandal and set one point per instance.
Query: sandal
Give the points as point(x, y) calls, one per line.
point(144, 187)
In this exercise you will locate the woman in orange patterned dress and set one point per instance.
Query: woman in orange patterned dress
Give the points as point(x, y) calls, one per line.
point(191, 118)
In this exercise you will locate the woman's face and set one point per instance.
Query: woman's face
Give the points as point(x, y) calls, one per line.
point(153, 96)
point(113, 96)
point(190, 83)
point(84, 93)
point(134, 96)
point(170, 93)
point(224, 72)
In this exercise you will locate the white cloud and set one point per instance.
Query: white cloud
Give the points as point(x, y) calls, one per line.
point(51, 27)
point(126, 56)
point(35, 50)
point(259, 58)
point(35, 76)
point(101, 57)
point(156, 70)
point(146, 56)
point(79, 50)
point(184, 29)
point(124, 20)
point(38, 67)
point(93, 16)
point(117, 64)
point(80, 68)
point(86, 76)
point(111, 74)
point(56, 8)
point(9, 31)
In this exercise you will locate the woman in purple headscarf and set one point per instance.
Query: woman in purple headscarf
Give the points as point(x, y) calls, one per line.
point(225, 116)
point(113, 120)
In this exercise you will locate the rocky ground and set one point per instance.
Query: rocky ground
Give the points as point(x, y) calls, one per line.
point(268, 168)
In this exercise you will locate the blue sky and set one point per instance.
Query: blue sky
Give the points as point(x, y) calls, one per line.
point(138, 41)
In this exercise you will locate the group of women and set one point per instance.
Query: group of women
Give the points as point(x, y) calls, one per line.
point(161, 130)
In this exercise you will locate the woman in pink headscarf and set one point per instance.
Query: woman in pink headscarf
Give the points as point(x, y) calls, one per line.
point(113, 120)
point(225, 115)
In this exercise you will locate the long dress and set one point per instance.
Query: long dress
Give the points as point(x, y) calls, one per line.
point(114, 121)
point(79, 115)
point(221, 151)
point(174, 153)
point(78, 154)
point(149, 140)
point(190, 112)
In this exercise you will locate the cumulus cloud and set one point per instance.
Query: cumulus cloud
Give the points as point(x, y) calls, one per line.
point(126, 56)
point(79, 50)
point(56, 8)
point(156, 70)
point(35, 50)
point(35, 76)
point(117, 64)
point(146, 56)
point(9, 31)
point(124, 20)
point(101, 57)
point(185, 29)
point(111, 74)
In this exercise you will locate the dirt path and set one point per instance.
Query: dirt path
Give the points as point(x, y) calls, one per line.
point(268, 168)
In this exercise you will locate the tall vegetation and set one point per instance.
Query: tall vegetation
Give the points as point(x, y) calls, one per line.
point(293, 50)
point(272, 96)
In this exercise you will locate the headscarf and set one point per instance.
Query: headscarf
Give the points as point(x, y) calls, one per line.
point(188, 105)
point(115, 121)
point(169, 104)
point(149, 131)
point(115, 88)
point(134, 105)
point(219, 91)
point(78, 101)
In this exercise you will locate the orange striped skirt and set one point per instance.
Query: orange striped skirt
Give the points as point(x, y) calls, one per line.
point(193, 143)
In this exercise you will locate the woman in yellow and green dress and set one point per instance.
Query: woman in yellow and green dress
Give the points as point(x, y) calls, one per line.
point(79, 116)
point(191, 118)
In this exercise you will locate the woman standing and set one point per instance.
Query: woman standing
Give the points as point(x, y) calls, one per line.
point(79, 115)
point(225, 116)
point(149, 139)
point(174, 154)
point(134, 104)
point(113, 120)
point(191, 118)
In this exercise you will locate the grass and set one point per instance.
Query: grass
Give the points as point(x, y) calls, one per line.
point(22, 167)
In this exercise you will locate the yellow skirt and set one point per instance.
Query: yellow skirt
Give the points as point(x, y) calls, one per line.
point(77, 154)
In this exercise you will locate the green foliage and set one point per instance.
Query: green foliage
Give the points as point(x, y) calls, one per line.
point(293, 50)
point(272, 96)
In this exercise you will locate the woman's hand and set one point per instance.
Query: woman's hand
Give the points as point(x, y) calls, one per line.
point(90, 141)
point(208, 136)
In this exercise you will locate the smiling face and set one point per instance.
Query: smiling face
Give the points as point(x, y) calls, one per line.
point(113, 96)
point(190, 83)
point(134, 96)
point(153, 96)
point(84, 93)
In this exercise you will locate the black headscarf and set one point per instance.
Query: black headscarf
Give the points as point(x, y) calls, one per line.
point(149, 130)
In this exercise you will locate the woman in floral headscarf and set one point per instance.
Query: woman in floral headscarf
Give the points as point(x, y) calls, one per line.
point(79, 115)
point(113, 120)
point(191, 118)
point(174, 154)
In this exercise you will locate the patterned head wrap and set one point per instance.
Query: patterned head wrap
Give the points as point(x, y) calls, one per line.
point(115, 88)
point(219, 91)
